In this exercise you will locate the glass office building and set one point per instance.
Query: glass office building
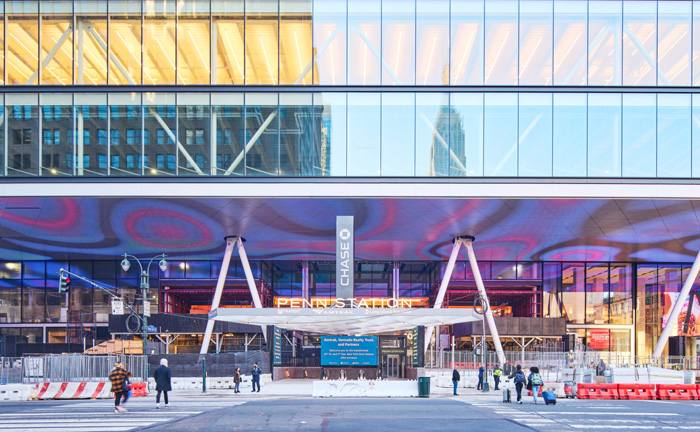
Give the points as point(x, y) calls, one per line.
point(430, 92)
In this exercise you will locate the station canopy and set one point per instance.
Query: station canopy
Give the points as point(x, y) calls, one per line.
point(345, 321)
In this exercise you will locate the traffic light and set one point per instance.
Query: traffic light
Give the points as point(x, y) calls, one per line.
point(64, 283)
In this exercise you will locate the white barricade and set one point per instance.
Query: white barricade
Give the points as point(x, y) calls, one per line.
point(74, 390)
point(365, 388)
point(16, 392)
point(629, 375)
point(659, 375)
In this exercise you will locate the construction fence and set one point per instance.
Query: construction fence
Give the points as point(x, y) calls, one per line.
point(67, 368)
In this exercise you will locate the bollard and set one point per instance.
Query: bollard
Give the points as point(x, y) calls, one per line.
point(204, 375)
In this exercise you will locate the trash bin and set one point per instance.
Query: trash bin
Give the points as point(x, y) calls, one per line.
point(424, 387)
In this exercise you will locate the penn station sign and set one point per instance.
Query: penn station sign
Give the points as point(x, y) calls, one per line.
point(345, 257)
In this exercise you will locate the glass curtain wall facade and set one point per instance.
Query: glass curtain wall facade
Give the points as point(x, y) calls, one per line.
point(429, 134)
point(339, 42)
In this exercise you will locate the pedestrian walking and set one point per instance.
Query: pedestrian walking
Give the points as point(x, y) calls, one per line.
point(534, 382)
point(497, 372)
point(237, 380)
point(519, 379)
point(455, 380)
point(600, 369)
point(118, 377)
point(480, 385)
point(255, 373)
point(162, 377)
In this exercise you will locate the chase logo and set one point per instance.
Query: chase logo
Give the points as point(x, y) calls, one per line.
point(344, 234)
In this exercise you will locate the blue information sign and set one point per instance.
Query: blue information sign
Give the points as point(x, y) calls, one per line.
point(348, 350)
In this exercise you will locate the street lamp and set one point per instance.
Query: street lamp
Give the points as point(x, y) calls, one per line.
point(126, 265)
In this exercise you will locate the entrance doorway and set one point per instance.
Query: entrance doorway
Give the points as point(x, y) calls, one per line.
point(393, 366)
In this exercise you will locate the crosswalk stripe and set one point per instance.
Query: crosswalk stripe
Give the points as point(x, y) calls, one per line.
point(129, 413)
point(76, 429)
point(597, 413)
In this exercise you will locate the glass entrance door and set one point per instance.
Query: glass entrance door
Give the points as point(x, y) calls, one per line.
point(393, 366)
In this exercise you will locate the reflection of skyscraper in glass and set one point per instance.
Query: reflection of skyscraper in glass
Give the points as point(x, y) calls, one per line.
point(447, 155)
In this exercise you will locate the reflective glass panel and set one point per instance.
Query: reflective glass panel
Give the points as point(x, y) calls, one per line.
point(364, 126)
point(10, 309)
point(434, 151)
point(535, 140)
point(57, 135)
point(261, 33)
point(466, 134)
point(330, 129)
point(571, 37)
point(193, 37)
point(604, 149)
point(675, 40)
point(57, 42)
point(33, 302)
point(125, 45)
point(597, 295)
point(398, 134)
point(573, 295)
point(295, 42)
point(501, 135)
point(570, 132)
point(90, 43)
point(536, 21)
point(262, 130)
point(501, 64)
point(227, 41)
point(432, 42)
point(159, 120)
point(159, 42)
point(364, 42)
point(466, 42)
point(297, 150)
point(2, 137)
point(22, 134)
point(125, 132)
point(621, 294)
point(330, 42)
point(229, 135)
point(194, 134)
point(638, 135)
point(398, 42)
point(22, 47)
point(2, 45)
point(639, 43)
point(696, 135)
point(91, 134)
point(604, 42)
point(696, 43)
point(674, 135)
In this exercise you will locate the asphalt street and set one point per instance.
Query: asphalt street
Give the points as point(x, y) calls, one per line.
point(224, 412)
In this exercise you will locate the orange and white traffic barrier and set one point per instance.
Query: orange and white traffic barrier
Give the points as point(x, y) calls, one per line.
point(73, 390)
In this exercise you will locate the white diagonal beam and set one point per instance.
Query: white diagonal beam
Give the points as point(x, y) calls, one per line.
point(645, 54)
point(444, 143)
point(672, 319)
point(230, 242)
point(318, 54)
point(376, 54)
point(251, 281)
point(172, 136)
point(114, 58)
point(250, 143)
point(489, 314)
point(51, 53)
point(443, 286)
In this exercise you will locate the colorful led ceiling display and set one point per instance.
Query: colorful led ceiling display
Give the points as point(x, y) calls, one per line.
point(386, 229)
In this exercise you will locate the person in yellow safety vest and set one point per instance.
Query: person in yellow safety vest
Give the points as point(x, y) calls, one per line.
point(570, 358)
point(496, 376)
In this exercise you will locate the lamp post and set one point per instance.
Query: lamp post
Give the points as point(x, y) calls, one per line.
point(145, 280)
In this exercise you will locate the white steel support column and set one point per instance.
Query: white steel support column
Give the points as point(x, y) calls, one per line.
point(251, 282)
point(80, 143)
point(230, 242)
point(671, 323)
point(305, 281)
point(443, 287)
point(489, 314)
point(80, 52)
point(396, 275)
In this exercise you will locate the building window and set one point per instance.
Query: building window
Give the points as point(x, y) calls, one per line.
point(48, 137)
point(129, 161)
point(133, 136)
point(199, 137)
point(86, 161)
point(22, 161)
point(86, 137)
point(189, 136)
point(22, 112)
point(102, 161)
point(146, 137)
point(130, 111)
point(101, 136)
point(199, 160)
point(115, 161)
point(114, 135)
point(22, 136)
point(160, 162)
point(171, 162)
point(160, 134)
point(102, 112)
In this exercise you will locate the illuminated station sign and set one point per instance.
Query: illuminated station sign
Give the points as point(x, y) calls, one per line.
point(371, 302)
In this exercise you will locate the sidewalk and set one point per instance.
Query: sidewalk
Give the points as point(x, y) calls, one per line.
point(303, 388)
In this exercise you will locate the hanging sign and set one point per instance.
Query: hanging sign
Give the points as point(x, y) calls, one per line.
point(147, 308)
point(345, 257)
point(117, 307)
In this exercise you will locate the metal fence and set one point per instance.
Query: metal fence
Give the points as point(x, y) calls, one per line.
point(66, 368)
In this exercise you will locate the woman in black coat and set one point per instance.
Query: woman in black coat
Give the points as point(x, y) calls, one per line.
point(162, 377)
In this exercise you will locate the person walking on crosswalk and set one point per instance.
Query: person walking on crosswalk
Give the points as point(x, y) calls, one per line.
point(162, 377)
point(118, 377)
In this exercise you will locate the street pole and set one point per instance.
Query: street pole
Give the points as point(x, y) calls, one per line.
point(144, 294)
